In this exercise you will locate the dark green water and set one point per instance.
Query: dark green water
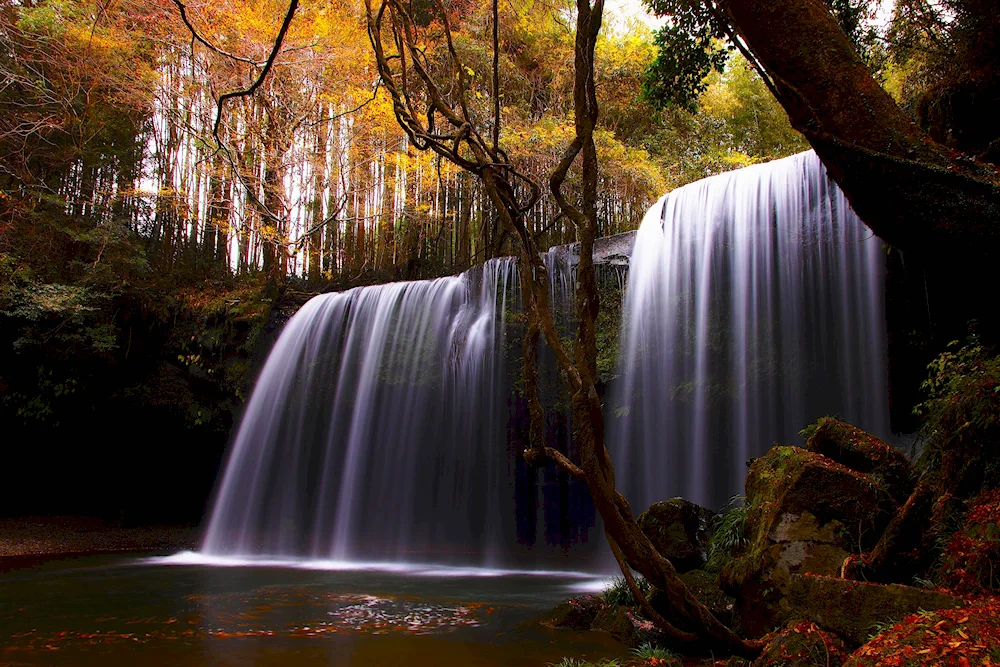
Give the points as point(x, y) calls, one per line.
point(126, 611)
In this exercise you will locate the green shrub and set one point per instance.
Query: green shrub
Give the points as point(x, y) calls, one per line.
point(649, 653)
point(728, 535)
point(619, 594)
point(959, 437)
point(576, 662)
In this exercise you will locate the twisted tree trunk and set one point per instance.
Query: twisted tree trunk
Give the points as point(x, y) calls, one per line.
point(443, 124)
point(631, 547)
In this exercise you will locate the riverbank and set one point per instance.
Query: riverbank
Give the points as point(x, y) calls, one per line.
point(25, 541)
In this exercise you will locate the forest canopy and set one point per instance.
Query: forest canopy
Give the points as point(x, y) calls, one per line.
point(128, 225)
point(122, 208)
point(111, 163)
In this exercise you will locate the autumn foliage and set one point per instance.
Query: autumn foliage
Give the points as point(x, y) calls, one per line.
point(802, 644)
point(968, 637)
point(971, 561)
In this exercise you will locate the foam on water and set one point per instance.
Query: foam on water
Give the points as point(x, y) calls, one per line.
point(393, 567)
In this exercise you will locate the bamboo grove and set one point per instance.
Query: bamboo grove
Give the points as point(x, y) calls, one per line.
point(114, 158)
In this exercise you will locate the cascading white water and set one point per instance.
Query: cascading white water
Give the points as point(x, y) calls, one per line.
point(376, 429)
point(754, 306)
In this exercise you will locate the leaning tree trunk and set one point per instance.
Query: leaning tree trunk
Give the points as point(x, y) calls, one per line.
point(442, 123)
point(689, 619)
point(913, 193)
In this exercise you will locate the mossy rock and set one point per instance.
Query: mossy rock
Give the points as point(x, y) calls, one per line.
point(970, 563)
point(863, 452)
point(966, 637)
point(803, 644)
point(806, 514)
point(679, 529)
point(793, 480)
point(576, 614)
point(623, 623)
point(852, 609)
point(705, 588)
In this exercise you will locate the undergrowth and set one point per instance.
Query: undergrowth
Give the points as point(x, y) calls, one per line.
point(959, 436)
point(879, 627)
point(650, 654)
point(576, 662)
point(964, 637)
point(728, 535)
point(619, 594)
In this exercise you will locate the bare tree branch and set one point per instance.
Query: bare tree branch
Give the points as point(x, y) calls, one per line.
point(267, 65)
point(195, 35)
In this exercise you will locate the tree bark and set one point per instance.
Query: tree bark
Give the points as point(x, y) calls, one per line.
point(315, 240)
point(912, 192)
point(904, 550)
point(447, 129)
point(631, 547)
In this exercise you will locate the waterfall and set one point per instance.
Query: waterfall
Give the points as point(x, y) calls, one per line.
point(386, 424)
point(754, 306)
point(375, 430)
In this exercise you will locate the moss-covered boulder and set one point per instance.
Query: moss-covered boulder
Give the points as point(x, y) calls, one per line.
point(853, 609)
point(805, 514)
point(797, 495)
point(626, 624)
point(965, 637)
point(576, 614)
point(863, 452)
point(803, 644)
point(705, 587)
point(679, 529)
point(970, 563)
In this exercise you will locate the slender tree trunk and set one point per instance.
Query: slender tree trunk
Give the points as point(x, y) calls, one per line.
point(387, 215)
point(464, 252)
point(315, 241)
point(270, 231)
point(218, 213)
point(690, 619)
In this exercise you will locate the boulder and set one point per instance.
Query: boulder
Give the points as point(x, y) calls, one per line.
point(806, 514)
point(576, 614)
point(705, 587)
point(803, 644)
point(854, 609)
point(679, 530)
point(966, 637)
point(863, 452)
point(626, 624)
